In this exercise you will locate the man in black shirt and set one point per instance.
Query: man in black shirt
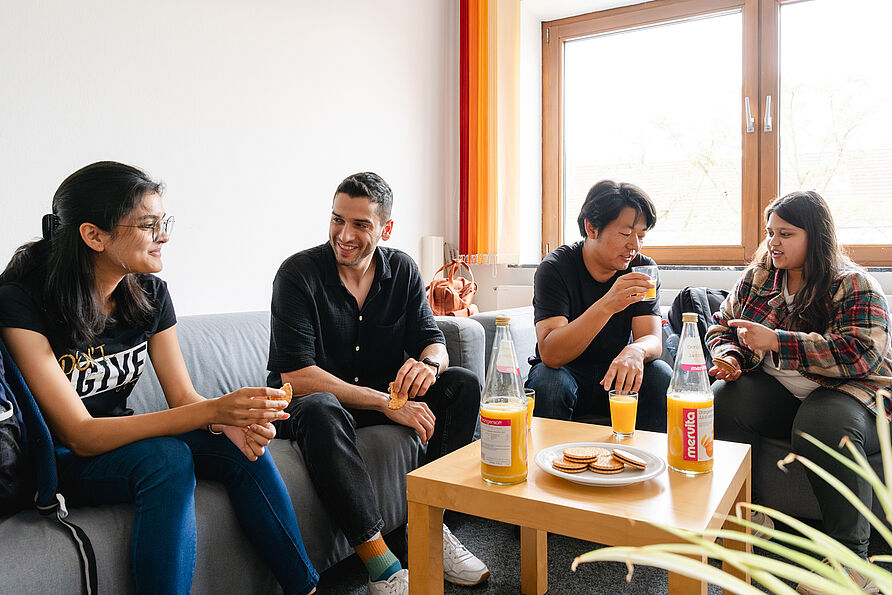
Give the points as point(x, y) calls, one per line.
point(344, 314)
point(587, 302)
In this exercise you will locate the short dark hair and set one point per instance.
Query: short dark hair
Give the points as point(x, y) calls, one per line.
point(606, 200)
point(369, 185)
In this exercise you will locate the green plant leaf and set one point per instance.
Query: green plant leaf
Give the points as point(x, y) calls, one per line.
point(673, 563)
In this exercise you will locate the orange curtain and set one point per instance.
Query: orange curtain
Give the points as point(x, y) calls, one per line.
point(489, 89)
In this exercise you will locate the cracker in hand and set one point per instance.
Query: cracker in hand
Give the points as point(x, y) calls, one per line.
point(287, 389)
point(396, 401)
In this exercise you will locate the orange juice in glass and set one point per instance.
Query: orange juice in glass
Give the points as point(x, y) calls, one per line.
point(623, 410)
point(531, 404)
point(690, 429)
point(651, 271)
point(503, 448)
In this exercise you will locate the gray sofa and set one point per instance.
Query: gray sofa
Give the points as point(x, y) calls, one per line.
point(788, 492)
point(223, 352)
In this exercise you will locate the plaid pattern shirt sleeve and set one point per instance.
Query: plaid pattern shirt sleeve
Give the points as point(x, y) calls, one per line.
point(722, 338)
point(852, 356)
point(856, 342)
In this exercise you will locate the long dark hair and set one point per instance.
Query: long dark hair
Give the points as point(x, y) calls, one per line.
point(824, 258)
point(59, 268)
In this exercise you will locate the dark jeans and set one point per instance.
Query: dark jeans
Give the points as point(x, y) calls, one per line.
point(573, 391)
point(756, 405)
point(158, 476)
point(325, 432)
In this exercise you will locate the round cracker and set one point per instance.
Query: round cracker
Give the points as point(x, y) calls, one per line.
point(724, 365)
point(629, 459)
point(584, 453)
point(606, 463)
point(288, 392)
point(568, 466)
point(396, 401)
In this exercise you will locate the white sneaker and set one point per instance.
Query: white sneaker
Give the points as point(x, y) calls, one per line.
point(760, 518)
point(397, 584)
point(865, 584)
point(461, 567)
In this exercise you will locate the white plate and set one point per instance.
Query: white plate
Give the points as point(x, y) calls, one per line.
point(655, 465)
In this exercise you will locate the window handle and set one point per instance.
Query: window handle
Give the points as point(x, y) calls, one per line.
point(750, 120)
point(767, 123)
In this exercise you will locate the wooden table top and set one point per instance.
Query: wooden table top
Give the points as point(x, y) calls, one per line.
point(604, 514)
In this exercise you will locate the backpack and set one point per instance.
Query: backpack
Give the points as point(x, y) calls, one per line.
point(28, 462)
point(702, 300)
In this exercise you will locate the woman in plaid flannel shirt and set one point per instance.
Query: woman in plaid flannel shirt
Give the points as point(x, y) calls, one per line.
point(808, 334)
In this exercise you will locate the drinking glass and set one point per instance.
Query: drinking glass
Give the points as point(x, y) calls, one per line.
point(623, 410)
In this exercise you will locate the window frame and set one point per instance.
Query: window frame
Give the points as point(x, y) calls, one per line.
point(760, 150)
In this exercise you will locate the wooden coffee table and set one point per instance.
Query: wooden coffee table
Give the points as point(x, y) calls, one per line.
point(543, 503)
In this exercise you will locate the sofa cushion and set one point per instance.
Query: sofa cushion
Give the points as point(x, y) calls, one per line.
point(523, 333)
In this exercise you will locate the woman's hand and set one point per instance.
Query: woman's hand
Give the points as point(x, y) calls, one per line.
point(248, 406)
point(727, 375)
point(251, 440)
point(755, 336)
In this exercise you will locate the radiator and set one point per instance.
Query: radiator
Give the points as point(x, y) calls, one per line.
point(513, 296)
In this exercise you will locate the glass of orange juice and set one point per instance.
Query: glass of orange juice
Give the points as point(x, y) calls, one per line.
point(531, 403)
point(651, 271)
point(623, 410)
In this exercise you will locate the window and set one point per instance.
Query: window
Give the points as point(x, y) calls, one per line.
point(659, 94)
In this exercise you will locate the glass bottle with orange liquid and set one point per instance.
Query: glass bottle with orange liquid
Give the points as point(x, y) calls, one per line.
point(689, 405)
point(503, 414)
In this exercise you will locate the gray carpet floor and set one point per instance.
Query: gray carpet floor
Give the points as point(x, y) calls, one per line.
point(498, 545)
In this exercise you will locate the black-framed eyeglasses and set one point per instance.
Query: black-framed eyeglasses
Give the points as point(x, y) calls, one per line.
point(160, 226)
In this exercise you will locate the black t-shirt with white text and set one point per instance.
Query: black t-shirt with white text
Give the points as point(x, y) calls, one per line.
point(104, 373)
point(564, 287)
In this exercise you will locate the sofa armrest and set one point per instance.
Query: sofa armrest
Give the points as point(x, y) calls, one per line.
point(464, 343)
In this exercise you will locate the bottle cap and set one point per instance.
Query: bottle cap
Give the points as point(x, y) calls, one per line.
point(689, 317)
point(503, 320)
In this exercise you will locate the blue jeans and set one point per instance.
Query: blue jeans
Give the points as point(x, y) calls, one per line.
point(757, 406)
point(573, 391)
point(325, 432)
point(158, 476)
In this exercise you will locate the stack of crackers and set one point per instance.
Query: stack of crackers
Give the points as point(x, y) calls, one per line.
point(600, 460)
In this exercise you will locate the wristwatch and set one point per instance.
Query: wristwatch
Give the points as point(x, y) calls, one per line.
point(433, 364)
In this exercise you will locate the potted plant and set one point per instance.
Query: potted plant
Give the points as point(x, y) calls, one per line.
point(685, 557)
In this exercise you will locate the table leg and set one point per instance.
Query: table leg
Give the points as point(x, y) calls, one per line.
point(425, 549)
point(743, 496)
point(533, 561)
point(682, 585)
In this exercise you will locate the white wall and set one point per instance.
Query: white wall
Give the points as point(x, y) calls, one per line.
point(250, 112)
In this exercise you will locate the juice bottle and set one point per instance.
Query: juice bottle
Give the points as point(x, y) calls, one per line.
point(689, 404)
point(503, 414)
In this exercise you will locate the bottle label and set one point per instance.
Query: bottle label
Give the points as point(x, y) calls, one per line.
point(495, 441)
point(697, 433)
point(506, 362)
point(692, 358)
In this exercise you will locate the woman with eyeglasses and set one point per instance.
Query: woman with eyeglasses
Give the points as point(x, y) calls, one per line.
point(80, 310)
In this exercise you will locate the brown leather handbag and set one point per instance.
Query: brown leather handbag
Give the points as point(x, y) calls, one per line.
point(452, 296)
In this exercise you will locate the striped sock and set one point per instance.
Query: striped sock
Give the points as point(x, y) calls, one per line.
point(378, 559)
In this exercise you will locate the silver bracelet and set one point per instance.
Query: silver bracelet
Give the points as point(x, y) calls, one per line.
point(211, 430)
